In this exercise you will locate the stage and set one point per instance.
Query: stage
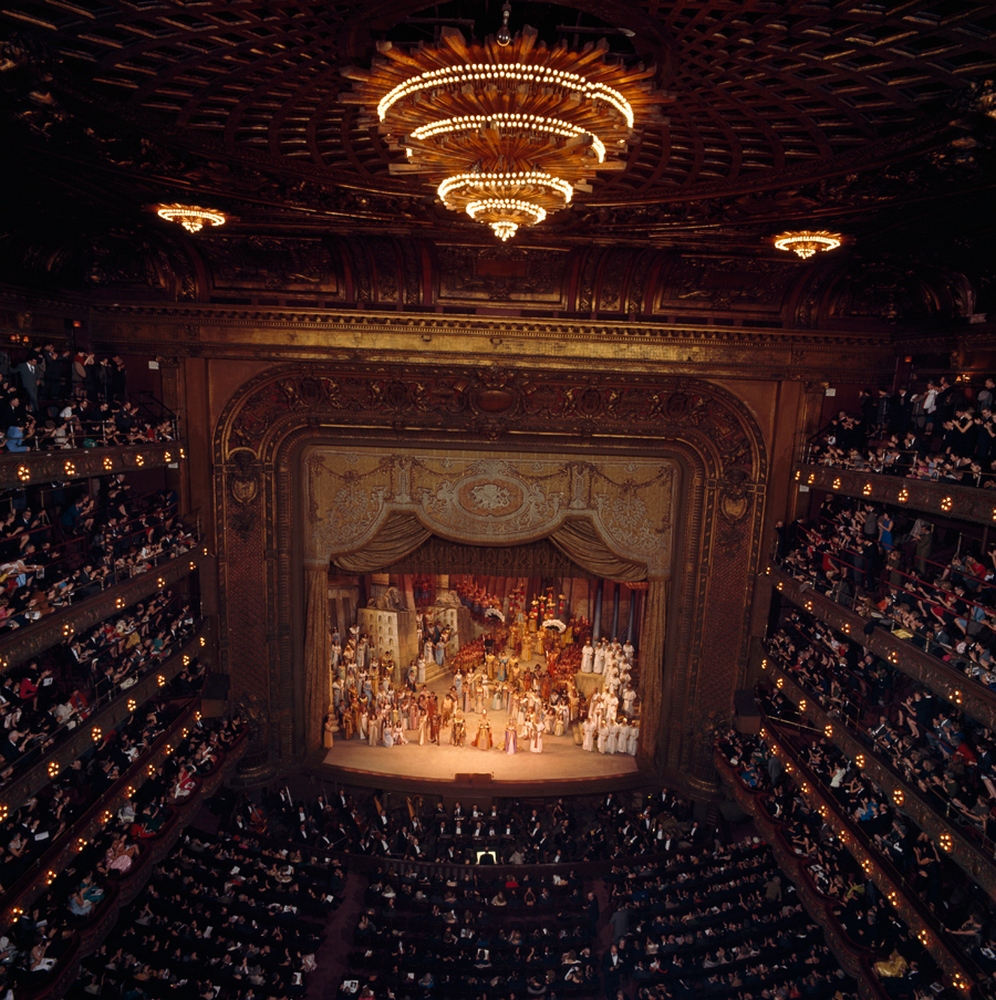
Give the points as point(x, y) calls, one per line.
point(562, 763)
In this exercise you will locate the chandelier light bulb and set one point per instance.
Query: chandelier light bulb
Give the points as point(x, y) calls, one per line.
point(805, 244)
point(504, 36)
point(506, 130)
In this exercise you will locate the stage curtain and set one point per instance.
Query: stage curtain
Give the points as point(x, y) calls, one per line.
point(652, 667)
point(399, 535)
point(578, 540)
point(318, 689)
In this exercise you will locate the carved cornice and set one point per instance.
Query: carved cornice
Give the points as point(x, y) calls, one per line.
point(61, 626)
point(106, 719)
point(910, 907)
point(325, 320)
point(30, 467)
point(961, 503)
point(977, 865)
point(944, 680)
point(854, 961)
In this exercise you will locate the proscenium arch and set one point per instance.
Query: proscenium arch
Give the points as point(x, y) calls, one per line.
point(707, 431)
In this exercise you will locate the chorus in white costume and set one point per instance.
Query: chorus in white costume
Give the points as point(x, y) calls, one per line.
point(587, 657)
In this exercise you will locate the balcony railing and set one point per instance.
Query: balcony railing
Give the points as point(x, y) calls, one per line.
point(946, 499)
point(26, 467)
point(855, 961)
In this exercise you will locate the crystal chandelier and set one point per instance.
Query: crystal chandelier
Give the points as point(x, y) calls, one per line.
point(191, 217)
point(508, 129)
point(805, 243)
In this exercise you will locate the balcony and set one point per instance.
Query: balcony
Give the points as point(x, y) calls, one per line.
point(975, 861)
point(21, 644)
point(51, 763)
point(945, 681)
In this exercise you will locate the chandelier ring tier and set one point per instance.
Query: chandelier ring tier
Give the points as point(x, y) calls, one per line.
point(507, 133)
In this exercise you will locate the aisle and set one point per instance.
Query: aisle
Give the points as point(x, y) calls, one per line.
point(333, 955)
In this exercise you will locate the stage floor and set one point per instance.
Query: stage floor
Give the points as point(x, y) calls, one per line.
point(562, 760)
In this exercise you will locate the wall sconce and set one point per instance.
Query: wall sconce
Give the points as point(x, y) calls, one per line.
point(946, 504)
point(140, 460)
point(866, 490)
point(53, 769)
point(96, 733)
point(898, 797)
point(946, 842)
point(836, 484)
point(24, 474)
point(904, 495)
point(132, 704)
point(69, 468)
point(161, 680)
point(828, 731)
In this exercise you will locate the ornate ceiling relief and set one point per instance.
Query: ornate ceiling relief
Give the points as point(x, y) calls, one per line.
point(505, 498)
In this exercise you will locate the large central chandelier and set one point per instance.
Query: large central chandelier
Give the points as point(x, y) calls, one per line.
point(508, 129)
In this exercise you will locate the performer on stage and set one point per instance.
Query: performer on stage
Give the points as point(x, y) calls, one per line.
point(536, 734)
point(587, 656)
point(329, 726)
point(511, 737)
point(588, 727)
point(483, 738)
point(459, 734)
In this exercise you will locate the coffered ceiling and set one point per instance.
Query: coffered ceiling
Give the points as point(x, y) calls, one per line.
point(872, 118)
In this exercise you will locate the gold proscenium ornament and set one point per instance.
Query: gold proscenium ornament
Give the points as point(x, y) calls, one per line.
point(506, 130)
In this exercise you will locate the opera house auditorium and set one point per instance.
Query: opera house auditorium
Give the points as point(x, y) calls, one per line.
point(498, 500)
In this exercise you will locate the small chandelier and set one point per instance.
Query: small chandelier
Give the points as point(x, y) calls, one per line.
point(805, 243)
point(507, 130)
point(191, 217)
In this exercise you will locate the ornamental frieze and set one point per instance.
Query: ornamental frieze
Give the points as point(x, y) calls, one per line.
point(493, 402)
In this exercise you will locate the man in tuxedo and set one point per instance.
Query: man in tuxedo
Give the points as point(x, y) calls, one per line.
point(30, 373)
